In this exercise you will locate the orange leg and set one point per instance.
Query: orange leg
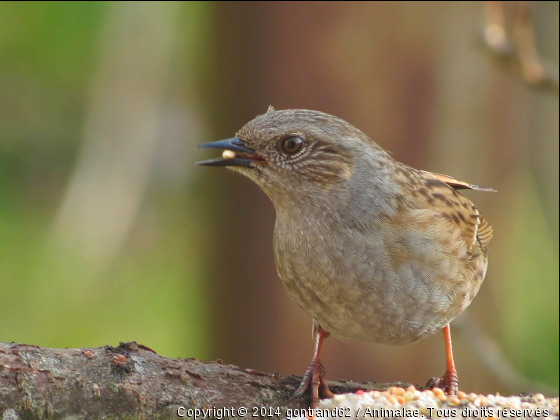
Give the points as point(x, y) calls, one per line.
point(313, 377)
point(450, 381)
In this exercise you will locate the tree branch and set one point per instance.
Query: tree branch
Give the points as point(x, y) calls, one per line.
point(518, 48)
point(132, 381)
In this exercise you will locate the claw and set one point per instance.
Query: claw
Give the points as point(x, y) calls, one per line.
point(433, 382)
point(449, 383)
point(314, 379)
point(314, 376)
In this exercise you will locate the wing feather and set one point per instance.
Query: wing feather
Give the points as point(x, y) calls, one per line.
point(456, 184)
point(441, 194)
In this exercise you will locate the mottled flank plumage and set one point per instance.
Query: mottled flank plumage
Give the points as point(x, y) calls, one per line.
point(371, 249)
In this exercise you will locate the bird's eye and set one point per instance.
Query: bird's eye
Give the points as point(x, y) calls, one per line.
point(292, 145)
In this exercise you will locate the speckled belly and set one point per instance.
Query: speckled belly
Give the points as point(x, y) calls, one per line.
point(360, 293)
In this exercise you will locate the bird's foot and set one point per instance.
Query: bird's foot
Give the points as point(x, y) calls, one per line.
point(449, 383)
point(314, 379)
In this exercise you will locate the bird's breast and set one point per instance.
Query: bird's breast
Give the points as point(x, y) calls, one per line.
point(378, 284)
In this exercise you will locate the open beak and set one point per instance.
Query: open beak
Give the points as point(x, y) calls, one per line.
point(237, 154)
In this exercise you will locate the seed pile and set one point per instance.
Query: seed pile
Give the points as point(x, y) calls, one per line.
point(412, 403)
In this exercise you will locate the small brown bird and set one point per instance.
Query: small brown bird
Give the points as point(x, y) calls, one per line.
point(372, 249)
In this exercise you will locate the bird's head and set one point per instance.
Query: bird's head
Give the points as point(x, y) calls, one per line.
point(292, 154)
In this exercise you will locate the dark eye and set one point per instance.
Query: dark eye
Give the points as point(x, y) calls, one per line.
point(292, 145)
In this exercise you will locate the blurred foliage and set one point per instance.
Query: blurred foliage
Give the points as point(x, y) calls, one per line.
point(535, 300)
point(51, 294)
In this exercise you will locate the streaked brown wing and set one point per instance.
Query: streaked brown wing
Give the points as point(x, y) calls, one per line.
point(460, 210)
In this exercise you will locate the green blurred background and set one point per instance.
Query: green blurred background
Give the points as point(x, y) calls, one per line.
point(109, 232)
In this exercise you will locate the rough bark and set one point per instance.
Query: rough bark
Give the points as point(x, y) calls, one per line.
point(132, 381)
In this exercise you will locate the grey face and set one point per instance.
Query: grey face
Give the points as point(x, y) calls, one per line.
point(293, 150)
